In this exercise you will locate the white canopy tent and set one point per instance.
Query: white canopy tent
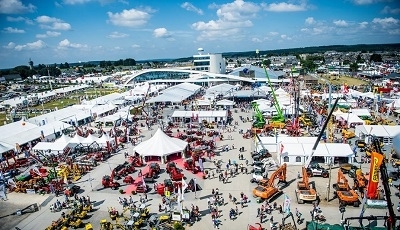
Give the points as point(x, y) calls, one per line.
point(76, 139)
point(352, 120)
point(225, 102)
point(297, 154)
point(63, 139)
point(386, 132)
point(204, 102)
point(209, 116)
point(90, 139)
point(102, 141)
point(4, 147)
point(50, 147)
point(161, 145)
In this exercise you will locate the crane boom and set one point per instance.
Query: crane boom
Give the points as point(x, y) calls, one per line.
point(307, 163)
point(280, 172)
point(392, 216)
point(260, 121)
point(279, 117)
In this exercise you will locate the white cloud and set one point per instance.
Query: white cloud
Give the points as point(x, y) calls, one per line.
point(310, 21)
point(135, 46)
point(51, 23)
point(11, 30)
point(48, 34)
point(316, 30)
point(130, 18)
point(273, 33)
point(10, 45)
point(161, 33)
point(19, 19)
point(395, 31)
point(256, 40)
point(117, 48)
point(363, 25)
point(364, 2)
point(64, 44)
point(39, 44)
point(285, 37)
point(74, 2)
point(284, 7)
point(15, 7)
point(190, 7)
point(304, 29)
point(386, 22)
point(341, 23)
point(389, 10)
point(118, 35)
point(232, 18)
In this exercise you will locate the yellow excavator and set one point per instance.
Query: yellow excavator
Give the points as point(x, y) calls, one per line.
point(304, 193)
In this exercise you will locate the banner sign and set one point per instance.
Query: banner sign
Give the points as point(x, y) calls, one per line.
point(376, 161)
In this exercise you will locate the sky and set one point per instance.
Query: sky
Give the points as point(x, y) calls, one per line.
point(49, 32)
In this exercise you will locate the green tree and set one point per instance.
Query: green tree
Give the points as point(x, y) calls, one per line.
point(266, 62)
point(375, 58)
point(308, 64)
point(354, 67)
point(21, 70)
point(61, 66)
point(66, 65)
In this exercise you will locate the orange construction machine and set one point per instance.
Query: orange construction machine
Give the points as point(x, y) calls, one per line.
point(269, 191)
point(343, 192)
point(304, 193)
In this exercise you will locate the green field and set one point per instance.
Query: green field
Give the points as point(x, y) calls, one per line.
point(64, 102)
point(340, 80)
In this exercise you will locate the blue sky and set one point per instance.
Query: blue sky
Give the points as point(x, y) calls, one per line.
point(83, 30)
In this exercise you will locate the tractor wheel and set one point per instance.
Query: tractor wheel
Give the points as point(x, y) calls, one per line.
point(325, 175)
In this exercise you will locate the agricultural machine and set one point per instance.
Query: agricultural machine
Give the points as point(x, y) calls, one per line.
point(123, 170)
point(108, 182)
point(269, 191)
point(190, 165)
point(136, 160)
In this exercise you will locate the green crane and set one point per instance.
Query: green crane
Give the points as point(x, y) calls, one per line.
point(259, 119)
point(279, 117)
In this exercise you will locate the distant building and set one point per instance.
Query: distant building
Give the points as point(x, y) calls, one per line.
point(212, 63)
point(12, 77)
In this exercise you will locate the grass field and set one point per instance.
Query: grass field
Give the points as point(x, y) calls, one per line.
point(336, 80)
point(64, 102)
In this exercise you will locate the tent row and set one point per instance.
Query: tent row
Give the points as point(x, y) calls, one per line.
point(385, 132)
point(209, 116)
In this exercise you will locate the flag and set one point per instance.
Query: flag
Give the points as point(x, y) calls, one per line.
point(184, 187)
point(286, 204)
point(281, 148)
point(363, 208)
point(373, 182)
point(180, 201)
point(144, 183)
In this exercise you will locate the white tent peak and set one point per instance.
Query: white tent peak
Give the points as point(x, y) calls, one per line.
point(160, 144)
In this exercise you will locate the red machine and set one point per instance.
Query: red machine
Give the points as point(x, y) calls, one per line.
point(41, 172)
point(123, 170)
point(141, 188)
point(176, 174)
point(170, 166)
point(190, 165)
point(257, 227)
point(108, 182)
point(129, 180)
point(168, 185)
point(136, 161)
point(155, 168)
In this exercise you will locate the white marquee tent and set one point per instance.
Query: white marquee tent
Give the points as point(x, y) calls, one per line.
point(50, 147)
point(225, 102)
point(160, 145)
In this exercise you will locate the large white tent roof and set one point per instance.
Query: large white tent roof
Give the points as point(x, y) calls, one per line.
point(4, 147)
point(219, 89)
point(225, 102)
point(378, 130)
point(176, 93)
point(160, 145)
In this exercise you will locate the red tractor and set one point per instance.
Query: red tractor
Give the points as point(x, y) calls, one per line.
point(108, 182)
point(176, 174)
point(170, 166)
point(141, 188)
point(129, 180)
point(136, 161)
point(190, 165)
point(123, 170)
point(155, 168)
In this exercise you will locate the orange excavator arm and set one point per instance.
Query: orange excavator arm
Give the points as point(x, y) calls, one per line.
point(280, 172)
point(305, 178)
point(341, 177)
